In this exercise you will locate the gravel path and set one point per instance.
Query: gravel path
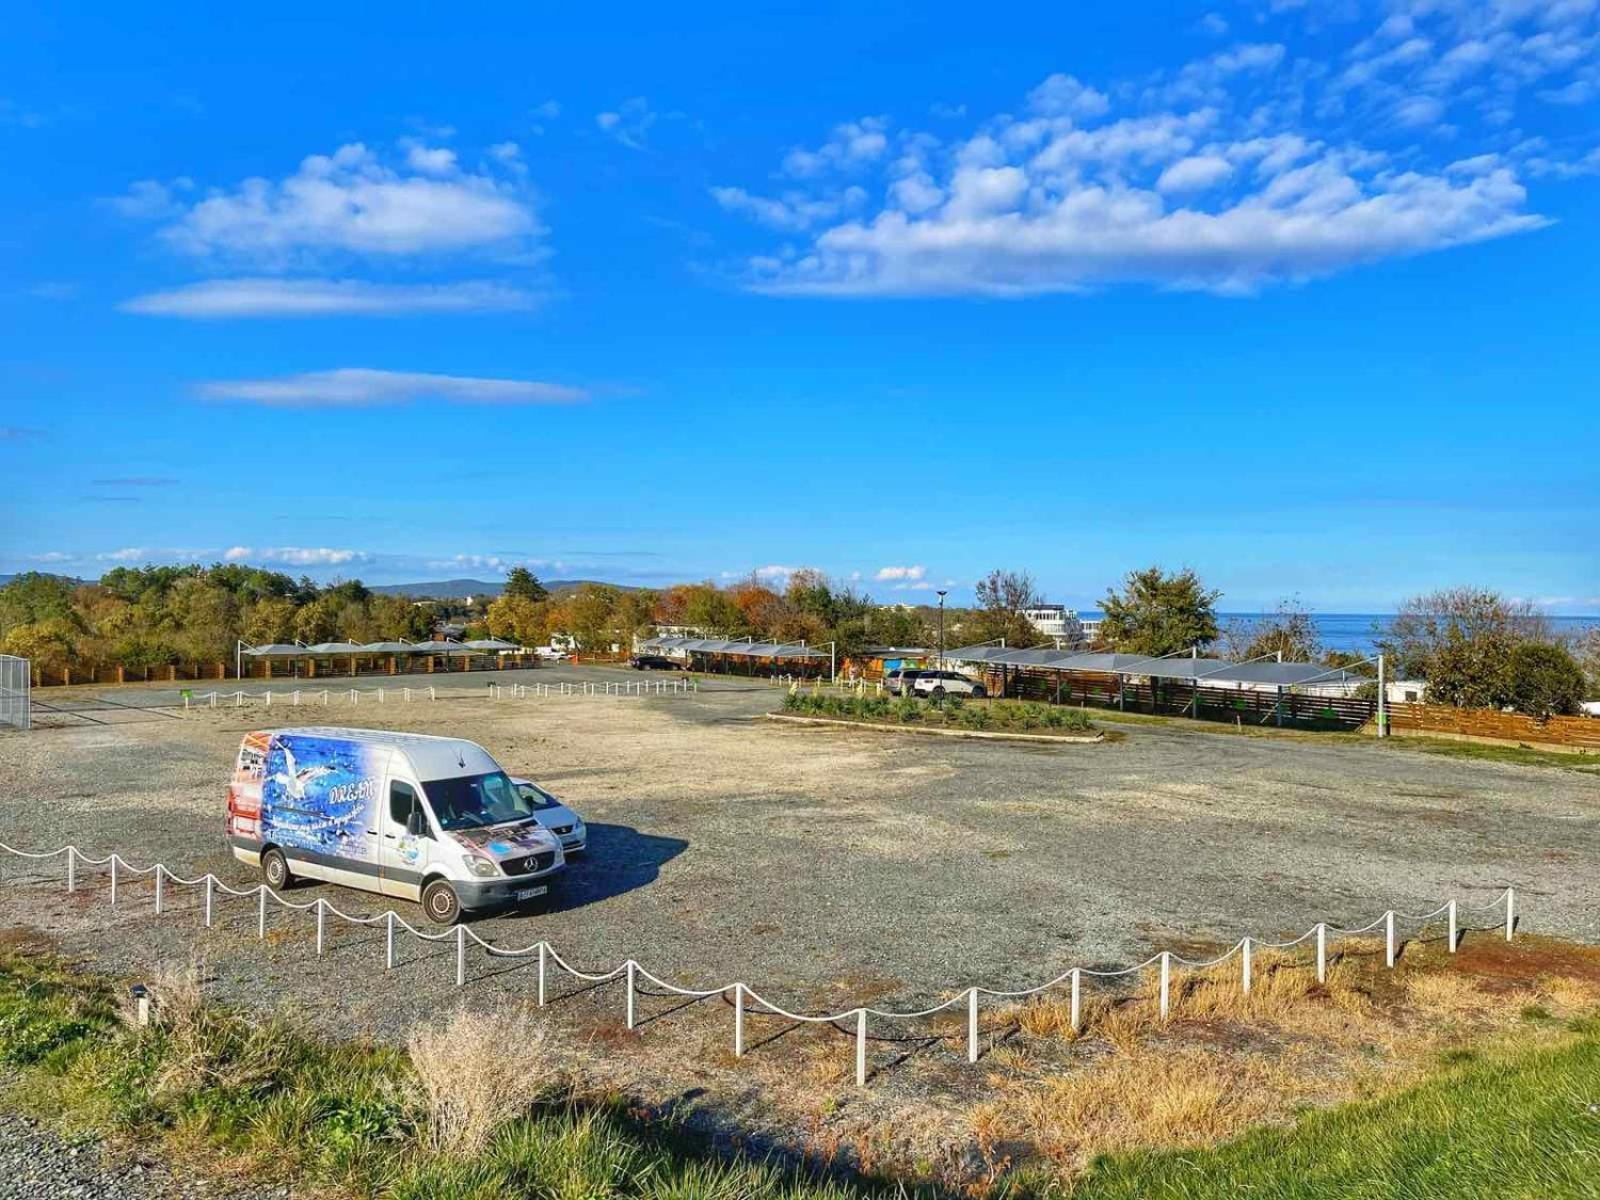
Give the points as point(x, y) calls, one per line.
point(36, 1164)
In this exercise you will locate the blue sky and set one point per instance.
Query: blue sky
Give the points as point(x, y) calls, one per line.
point(1301, 295)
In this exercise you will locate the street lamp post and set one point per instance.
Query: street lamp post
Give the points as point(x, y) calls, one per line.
point(942, 595)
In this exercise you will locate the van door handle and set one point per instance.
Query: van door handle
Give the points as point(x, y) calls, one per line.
point(374, 832)
point(390, 836)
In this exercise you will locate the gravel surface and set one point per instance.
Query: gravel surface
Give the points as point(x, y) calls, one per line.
point(826, 868)
point(36, 1164)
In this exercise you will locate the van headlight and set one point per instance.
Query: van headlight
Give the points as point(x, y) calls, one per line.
point(480, 866)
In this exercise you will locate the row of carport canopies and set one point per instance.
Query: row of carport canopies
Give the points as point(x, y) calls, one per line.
point(739, 649)
point(323, 649)
point(1192, 668)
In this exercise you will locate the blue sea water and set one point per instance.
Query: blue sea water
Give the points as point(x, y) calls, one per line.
point(1359, 632)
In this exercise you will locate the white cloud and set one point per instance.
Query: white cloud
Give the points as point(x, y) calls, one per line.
point(294, 556)
point(774, 572)
point(1213, 23)
point(358, 387)
point(1194, 173)
point(1063, 95)
point(353, 202)
point(51, 556)
point(792, 211)
point(150, 199)
point(850, 145)
point(630, 123)
point(888, 574)
point(271, 297)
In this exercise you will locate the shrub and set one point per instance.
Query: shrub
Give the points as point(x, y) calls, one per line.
point(907, 710)
point(1544, 680)
point(472, 1086)
point(974, 716)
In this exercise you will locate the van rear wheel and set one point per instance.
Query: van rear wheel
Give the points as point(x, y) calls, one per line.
point(275, 870)
point(440, 902)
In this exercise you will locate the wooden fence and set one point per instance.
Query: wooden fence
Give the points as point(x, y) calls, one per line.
point(1581, 733)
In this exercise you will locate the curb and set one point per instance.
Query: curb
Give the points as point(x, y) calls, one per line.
point(1053, 739)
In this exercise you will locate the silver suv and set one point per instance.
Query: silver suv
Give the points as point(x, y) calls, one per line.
point(898, 682)
point(936, 685)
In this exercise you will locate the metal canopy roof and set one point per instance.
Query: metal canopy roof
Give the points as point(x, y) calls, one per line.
point(388, 648)
point(492, 643)
point(740, 649)
point(276, 650)
point(333, 648)
point(1202, 670)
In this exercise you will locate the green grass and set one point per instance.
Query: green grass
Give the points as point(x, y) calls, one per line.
point(1522, 756)
point(277, 1104)
point(1525, 1125)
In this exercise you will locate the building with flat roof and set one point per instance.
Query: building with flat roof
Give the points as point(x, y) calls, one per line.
point(1056, 621)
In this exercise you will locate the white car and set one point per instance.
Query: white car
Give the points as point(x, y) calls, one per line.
point(566, 825)
point(936, 685)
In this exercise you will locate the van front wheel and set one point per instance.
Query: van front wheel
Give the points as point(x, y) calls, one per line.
point(275, 870)
point(440, 902)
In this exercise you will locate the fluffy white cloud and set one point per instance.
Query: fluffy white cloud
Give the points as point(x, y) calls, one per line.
point(890, 574)
point(350, 202)
point(1194, 173)
point(294, 556)
point(1225, 175)
point(357, 387)
point(791, 211)
point(273, 297)
point(850, 145)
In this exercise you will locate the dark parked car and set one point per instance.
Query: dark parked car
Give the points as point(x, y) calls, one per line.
point(656, 662)
point(898, 683)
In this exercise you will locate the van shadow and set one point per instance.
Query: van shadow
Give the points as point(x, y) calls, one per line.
point(619, 859)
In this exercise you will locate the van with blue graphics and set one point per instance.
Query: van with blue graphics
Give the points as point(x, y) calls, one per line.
point(430, 819)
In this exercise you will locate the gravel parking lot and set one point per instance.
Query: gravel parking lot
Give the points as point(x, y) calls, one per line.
point(824, 867)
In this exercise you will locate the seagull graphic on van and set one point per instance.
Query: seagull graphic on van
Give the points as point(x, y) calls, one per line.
point(294, 780)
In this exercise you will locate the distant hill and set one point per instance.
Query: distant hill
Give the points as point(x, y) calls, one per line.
point(460, 589)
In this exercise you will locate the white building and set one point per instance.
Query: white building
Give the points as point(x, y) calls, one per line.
point(1056, 621)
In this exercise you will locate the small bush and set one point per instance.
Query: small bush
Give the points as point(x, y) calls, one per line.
point(974, 716)
point(907, 711)
point(472, 1086)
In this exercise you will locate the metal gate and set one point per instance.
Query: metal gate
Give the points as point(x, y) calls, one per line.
point(15, 677)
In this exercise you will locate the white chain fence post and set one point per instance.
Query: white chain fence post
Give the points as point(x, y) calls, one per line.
point(1452, 911)
point(261, 914)
point(1322, 952)
point(738, 1020)
point(1388, 938)
point(209, 881)
point(113, 879)
point(630, 973)
point(1076, 1011)
point(1245, 977)
point(72, 869)
point(388, 942)
point(861, 1047)
point(461, 955)
point(972, 1025)
point(1511, 912)
point(160, 871)
point(543, 950)
point(321, 908)
point(1166, 984)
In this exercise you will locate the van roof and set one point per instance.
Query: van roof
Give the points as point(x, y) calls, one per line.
point(374, 737)
point(429, 757)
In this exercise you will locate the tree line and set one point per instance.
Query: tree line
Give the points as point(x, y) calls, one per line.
point(1472, 647)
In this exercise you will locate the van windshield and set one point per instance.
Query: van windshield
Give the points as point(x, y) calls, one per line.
point(471, 801)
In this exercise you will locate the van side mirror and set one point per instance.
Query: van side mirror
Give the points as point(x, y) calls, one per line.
point(417, 823)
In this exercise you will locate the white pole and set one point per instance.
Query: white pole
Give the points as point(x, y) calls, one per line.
point(630, 993)
point(1166, 984)
point(1246, 977)
point(972, 1026)
point(738, 1020)
point(1322, 952)
point(461, 955)
point(861, 1047)
point(72, 869)
point(261, 916)
point(209, 881)
point(1383, 701)
point(1077, 999)
point(113, 879)
point(320, 904)
point(1452, 927)
point(388, 947)
point(1388, 938)
point(1511, 912)
point(160, 871)
point(541, 974)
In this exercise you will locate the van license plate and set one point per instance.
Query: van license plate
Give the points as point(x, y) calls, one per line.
point(530, 893)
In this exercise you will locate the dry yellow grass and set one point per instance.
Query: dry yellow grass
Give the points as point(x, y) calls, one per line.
point(471, 1082)
point(1225, 1060)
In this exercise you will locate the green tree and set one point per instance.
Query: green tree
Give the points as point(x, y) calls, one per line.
point(1290, 633)
point(590, 615)
point(269, 619)
point(519, 619)
point(1158, 613)
point(1544, 680)
point(1001, 597)
point(51, 642)
point(1586, 649)
point(523, 584)
point(1460, 641)
point(34, 596)
point(314, 622)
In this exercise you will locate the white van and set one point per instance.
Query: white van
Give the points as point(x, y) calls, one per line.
point(423, 818)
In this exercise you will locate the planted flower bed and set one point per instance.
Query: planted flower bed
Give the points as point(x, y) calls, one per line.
point(998, 716)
